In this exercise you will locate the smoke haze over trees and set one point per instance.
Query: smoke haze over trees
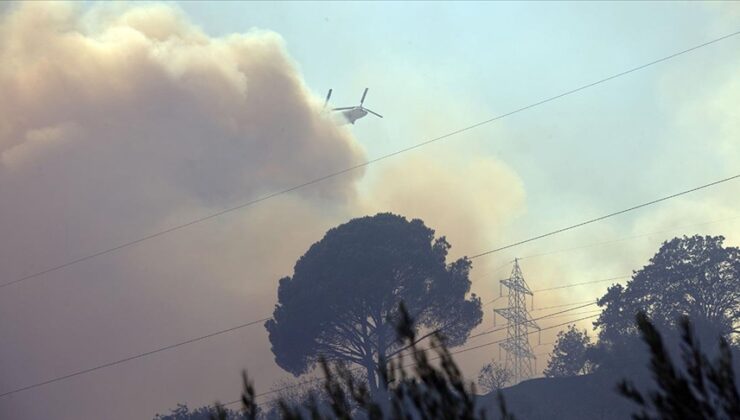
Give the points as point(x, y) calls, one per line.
point(164, 164)
point(691, 276)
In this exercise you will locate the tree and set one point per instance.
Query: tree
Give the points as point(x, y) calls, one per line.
point(294, 394)
point(300, 394)
point(691, 276)
point(182, 412)
point(493, 377)
point(701, 390)
point(342, 301)
point(569, 355)
point(249, 411)
point(427, 391)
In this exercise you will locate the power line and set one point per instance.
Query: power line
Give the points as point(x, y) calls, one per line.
point(317, 180)
point(606, 216)
point(362, 165)
point(543, 329)
point(563, 305)
point(439, 330)
point(496, 270)
point(141, 355)
point(224, 331)
point(533, 319)
point(641, 235)
point(494, 300)
point(128, 359)
point(594, 245)
point(137, 356)
point(161, 349)
point(272, 391)
point(553, 315)
point(576, 313)
point(565, 286)
point(598, 244)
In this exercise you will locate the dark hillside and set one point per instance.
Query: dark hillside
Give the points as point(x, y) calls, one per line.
point(587, 397)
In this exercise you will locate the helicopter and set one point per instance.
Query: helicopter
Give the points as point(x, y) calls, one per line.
point(351, 113)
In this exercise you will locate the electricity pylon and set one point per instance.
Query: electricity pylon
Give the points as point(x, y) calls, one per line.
point(519, 354)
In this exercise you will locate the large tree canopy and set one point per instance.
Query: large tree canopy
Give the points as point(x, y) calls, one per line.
point(342, 300)
point(693, 276)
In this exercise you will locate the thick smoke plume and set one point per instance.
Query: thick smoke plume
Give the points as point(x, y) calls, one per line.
point(117, 121)
point(113, 122)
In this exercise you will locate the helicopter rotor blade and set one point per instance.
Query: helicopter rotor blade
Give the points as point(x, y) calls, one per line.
point(373, 112)
point(363, 97)
point(328, 95)
point(344, 108)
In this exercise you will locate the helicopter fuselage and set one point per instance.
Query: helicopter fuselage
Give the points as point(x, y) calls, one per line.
point(350, 114)
point(354, 114)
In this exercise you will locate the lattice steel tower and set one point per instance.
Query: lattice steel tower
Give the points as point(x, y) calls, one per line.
point(519, 354)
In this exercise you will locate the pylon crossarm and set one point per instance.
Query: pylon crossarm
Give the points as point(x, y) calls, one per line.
point(532, 324)
point(513, 284)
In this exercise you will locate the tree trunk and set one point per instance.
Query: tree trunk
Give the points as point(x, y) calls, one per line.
point(381, 351)
point(372, 381)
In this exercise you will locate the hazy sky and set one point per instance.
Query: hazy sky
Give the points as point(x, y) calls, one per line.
point(120, 120)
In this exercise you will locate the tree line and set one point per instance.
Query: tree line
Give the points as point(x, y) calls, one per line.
point(360, 296)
